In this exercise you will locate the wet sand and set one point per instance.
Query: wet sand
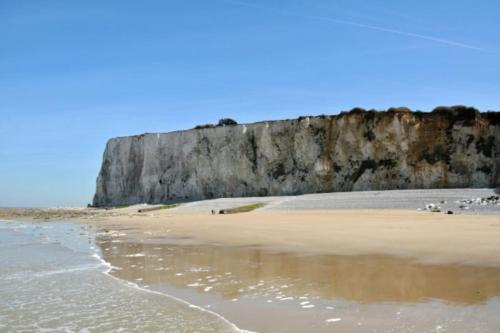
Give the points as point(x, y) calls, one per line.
point(278, 291)
point(351, 271)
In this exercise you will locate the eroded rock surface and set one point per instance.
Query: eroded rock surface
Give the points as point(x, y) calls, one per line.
point(357, 150)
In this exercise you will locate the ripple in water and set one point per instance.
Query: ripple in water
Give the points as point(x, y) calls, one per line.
point(52, 281)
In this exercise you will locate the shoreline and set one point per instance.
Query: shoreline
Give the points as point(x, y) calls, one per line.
point(133, 284)
point(68, 252)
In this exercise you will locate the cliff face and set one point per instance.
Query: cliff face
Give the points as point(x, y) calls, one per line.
point(358, 150)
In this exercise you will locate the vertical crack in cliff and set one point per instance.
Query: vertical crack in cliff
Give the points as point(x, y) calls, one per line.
point(327, 158)
point(253, 156)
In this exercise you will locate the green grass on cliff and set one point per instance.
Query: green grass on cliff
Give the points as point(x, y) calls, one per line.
point(167, 206)
point(242, 209)
point(150, 209)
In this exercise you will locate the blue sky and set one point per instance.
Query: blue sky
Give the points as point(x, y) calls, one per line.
point(75, 73)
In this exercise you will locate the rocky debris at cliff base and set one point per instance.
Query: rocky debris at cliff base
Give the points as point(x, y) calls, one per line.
point(492, 200)
point(464, 204)
point(433, 208)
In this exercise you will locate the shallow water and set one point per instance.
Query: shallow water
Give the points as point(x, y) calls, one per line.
point(267, 291)
point(53, 280)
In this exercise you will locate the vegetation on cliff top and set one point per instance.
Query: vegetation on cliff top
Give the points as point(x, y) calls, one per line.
point(455, 113)
point(221, 123)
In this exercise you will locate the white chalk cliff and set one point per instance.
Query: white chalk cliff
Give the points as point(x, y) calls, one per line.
point(357, 150)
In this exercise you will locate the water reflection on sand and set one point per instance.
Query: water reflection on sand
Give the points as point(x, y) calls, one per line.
point(275, 291)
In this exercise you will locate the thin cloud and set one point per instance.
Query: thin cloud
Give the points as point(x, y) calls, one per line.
point(363, 26)
point(398, 32)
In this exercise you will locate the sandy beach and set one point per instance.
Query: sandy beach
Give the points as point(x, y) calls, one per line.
point(424, 236)
point(343, 260)
point(332, 223)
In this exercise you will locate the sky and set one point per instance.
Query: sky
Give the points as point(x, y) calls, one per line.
point(75, 73)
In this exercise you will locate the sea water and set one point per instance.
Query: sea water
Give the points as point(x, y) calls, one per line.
point(52, 279)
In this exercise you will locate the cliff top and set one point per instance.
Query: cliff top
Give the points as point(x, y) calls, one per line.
point(454, 113)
